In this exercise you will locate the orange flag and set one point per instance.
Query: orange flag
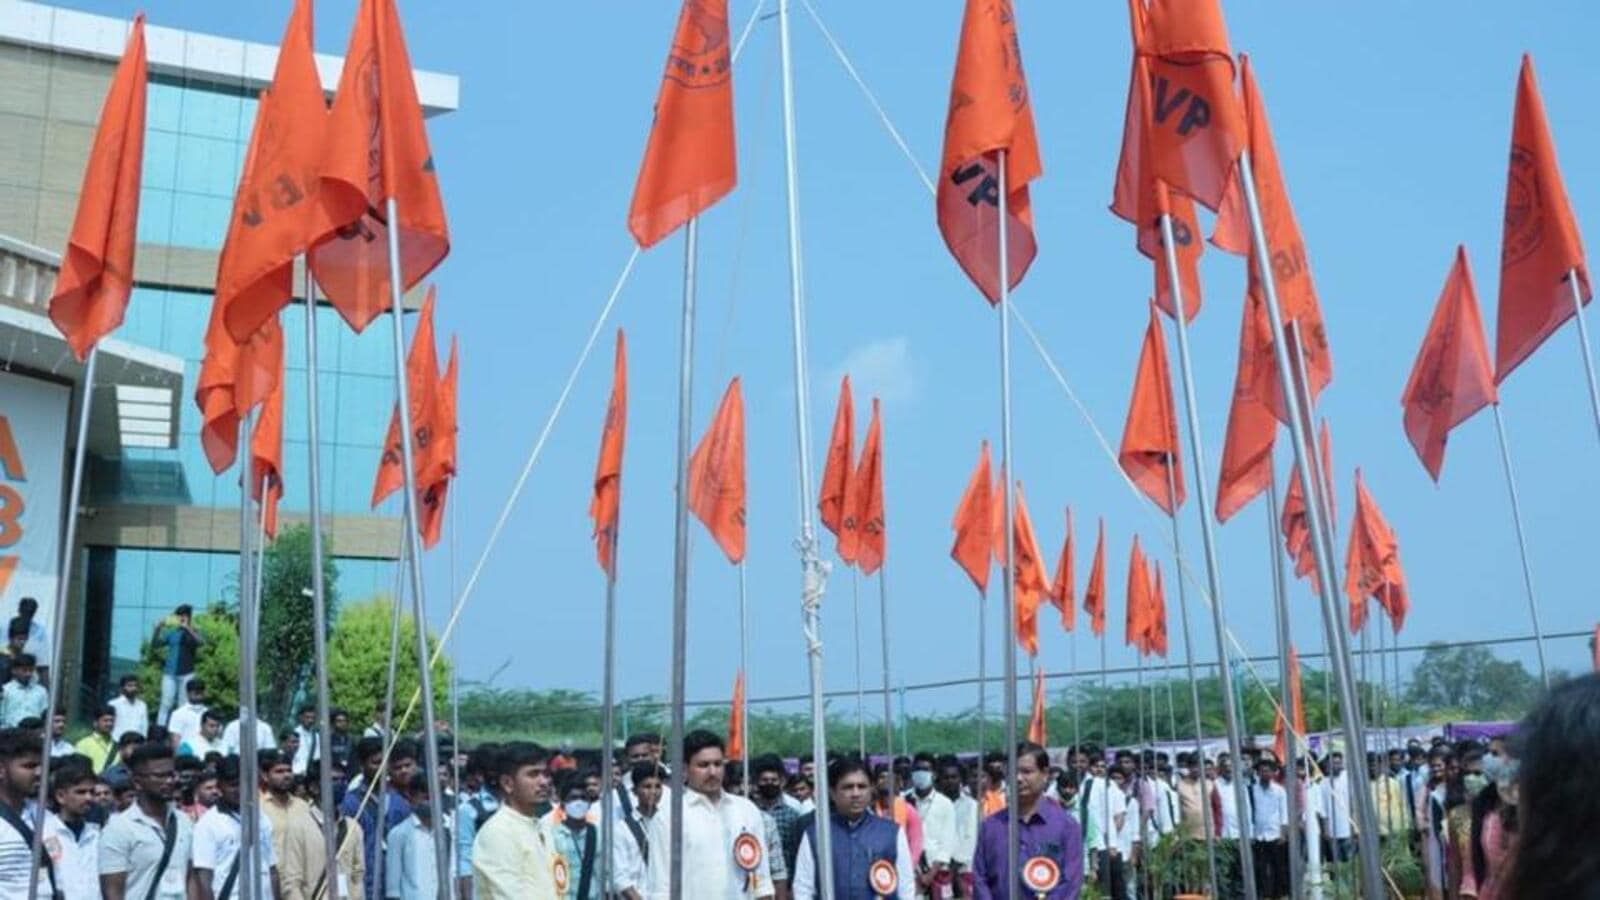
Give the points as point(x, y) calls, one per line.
point(1196, 130)
point(1137, 626)
point(1280, 741)
point(1294, 523)
point(864, 514)
point(1252, 429)
point(1094, 596)
point(1540, 248)
point(716, 475)
point(736, 719)
point(432, 490)
point(276, 209)
point(266, 457)
point(1036, 720)
point(1157, 633)
point(376, 148)
point(1149, 452)
point(96, 277)
point(1061, 592)
point(1372, 564)
point(422, 379)
point(974, 524)
point(1451, 379)
point(990, 111)
point(1032, 582)
point(606, 503)
point(837, 473)
point(1291, 271)
point(690, 160)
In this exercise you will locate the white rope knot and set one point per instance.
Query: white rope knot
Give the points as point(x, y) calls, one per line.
point(814, 572)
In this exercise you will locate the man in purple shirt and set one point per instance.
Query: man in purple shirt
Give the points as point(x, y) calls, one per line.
point(1045, 830)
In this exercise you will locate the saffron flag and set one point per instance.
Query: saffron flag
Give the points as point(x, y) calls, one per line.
point(1287, 262)
point(433, 490)
point(1451, 379)
point(606, 504)
point(266, 458)
point(276, 212)
point(1036, 719)
point(974, 524)
point(1156, 635)
point(375, 150)
point(1196, 129)
point(96, 277)
point(689, 161)
point(1372, 565)
point(1294, 520)
point(1280, 741)
point(1061, 592)
point(1540, 249)
point(1031, 582)
point(1252, 428)
point(716, 475)
point(865, 510)
point(736, 723)
point(1094, 595)
point(990, 113)
point(422, 379)
point(837, 473)
point(1149, 453)
point(1137, 623)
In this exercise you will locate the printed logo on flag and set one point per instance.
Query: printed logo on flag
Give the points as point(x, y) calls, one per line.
point(700, 56)
point(1524, 230)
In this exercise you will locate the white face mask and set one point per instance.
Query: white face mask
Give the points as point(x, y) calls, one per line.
point(576, 809)
point(922, 779)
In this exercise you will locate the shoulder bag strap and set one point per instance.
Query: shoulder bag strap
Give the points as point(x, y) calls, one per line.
point(169, 840)
point(15, 821)
point(586, 873)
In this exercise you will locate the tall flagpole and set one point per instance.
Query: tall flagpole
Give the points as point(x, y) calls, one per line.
point(382, 795)
point(1007, 586)
point(1588, 359)
point(680, 556)
point(861, 702)
point(249, 800)
point(883, 635)
point(1077, 722)
point(1106, 757)
point(319, 609)
point(58, 615)
point(608, 718)
point(1230, 710)
point(1522, 538)
point(744, 672)
point(1194, 685)
point(1280, 608)
point(814, 572)
point(1322, 545)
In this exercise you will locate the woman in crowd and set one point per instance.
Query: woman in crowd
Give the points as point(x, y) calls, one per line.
point(1558, 852)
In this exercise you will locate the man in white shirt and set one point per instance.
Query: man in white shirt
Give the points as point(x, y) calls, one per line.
point(1337, 823)
point(59, 745)
point(1227, 798)
point(1313, 791)
point(511, 856)
point(184, 722)
point(1269, 830)
point(217, 842)
point(206, 740)
point(70, 839)
point(635, 835)
point(1125, 840)
point(23, 697)
point(19, 780)
point(964, 819)
point(230, 737)
point(310, 735)
point(938, 816)
point(715, 824)
point(133, 842)
point(1102, 809)
point(132, 714)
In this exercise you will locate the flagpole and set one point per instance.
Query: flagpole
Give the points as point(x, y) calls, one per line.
point(744, 673)
point(983, 681)
point(608, 719)
point(57, 615)
point(249, 821)
point(1007, 570)
point(1194, 681)
point(1522, 538)
point(814, 572)
point(389, 737)
point(455, 705)
point(1280, 608)
point(1583, 346)
point(861, 703)
point(1322, 547)
point(1105, 755)
point(1230, 709)
point(1077, 719)
point(883, 634)
point(680, 557)
point(319, 608)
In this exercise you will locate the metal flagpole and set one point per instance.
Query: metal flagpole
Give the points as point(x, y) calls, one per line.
point(608, 718)
point(1106, 758)
point(814, 571)
point(249, 819)
point(1230, 709)
point(861, 703)
point(1280, 608)
point(319, 609)
point(455, 707)
point(1194, 685)
point(744, 662)
point(1583, 345)
point(1522, 538)
point(382, 795)
point(1322, 546)
point(680, 558)
point(1077, 718)
point(58, 615)
point(1008, 588)
point(883, 634)
point(419, 605)
point(983, 683)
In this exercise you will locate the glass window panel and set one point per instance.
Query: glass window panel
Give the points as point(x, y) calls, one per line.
point(365, 406)
point(199, 221)
point(164, 104)
point(187, 315)
point(141, 324)
point(369, 353)
point(160, 159)
point(296, 488)
point(211, 113)
point(155, 216)
point(293, 322)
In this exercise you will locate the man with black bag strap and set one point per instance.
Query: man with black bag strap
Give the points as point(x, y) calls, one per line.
point(71, 841)
point(20, 752)
point(217, 840)
point(145, 849)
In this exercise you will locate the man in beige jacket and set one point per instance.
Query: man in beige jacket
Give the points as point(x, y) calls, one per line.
point(511, 857)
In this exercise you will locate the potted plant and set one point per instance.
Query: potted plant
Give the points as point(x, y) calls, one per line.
point(1179, 863)
point(1402, 869)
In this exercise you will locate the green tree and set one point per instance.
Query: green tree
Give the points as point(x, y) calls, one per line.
point(1470, 681)
point(288, 632)
point(216, 663)
point(358, 662)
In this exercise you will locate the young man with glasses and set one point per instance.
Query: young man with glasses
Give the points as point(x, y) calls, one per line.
point(145, 849)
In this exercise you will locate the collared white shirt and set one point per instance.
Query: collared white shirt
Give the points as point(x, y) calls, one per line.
point(230, 738)
point(1128, 834)
point(310, 748)
point(15, 854)
point(20, 701)
point(938, 816)
point(75, 858)
point(1269, 811)
point(1336, 806)
point(60, 747)
point(710, 826)
point(628, 868)
point(197, 746)
point(216, 844)
point(132, 842)
point(803, 807)
point(512, 858)
point(184, 722)
point(805, 869)
point(132, 715)
point(1105, 802)
point(1230, 807)
point(964, 812)
point(1166, 807)
point(1316, 791)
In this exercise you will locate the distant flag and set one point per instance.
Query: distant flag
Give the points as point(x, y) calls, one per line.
point(266, 458)
point(1137, 628)
point(1061, 591)
point(376, 148)
point(1280, 741)
point(1094, 596)
point(716, 475)
point(974, 525)
point(690, 160)
point(736, 723)
point(1451, 379)
point(1252, 428)
point(1372, 565)
point(1036, 719)
point(1541, 246)
point(96, 277)
point(1197, 130)
point(990, 111)
point(433, 485)
point(865, 509)
point(422, 380)
point(276, 213)
point(1157, 634)
point(1295, 522)
point(605, 506)
point(1031, 582)
point(837, 472)
point(1149, 453)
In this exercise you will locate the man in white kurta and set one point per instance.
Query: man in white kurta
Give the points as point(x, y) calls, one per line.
point(714, 821)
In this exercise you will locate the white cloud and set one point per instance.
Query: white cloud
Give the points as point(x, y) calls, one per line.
point(882, 368)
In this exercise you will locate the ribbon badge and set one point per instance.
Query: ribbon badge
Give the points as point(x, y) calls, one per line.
point(1041, 875)
point(883, 879)
point(747, 856)
point(558, 871)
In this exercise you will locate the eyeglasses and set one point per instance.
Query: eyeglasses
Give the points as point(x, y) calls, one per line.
point(162, 775)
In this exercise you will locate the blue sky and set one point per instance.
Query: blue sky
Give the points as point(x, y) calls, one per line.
point(1392, 122)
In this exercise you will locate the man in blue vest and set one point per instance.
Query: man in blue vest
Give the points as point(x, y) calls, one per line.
point(1049, 840)
point(871, 859)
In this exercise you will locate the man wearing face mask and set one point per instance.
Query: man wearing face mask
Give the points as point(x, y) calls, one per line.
point(575, 841)
point(938, 817)
point(769, 776)
point(411, 862)
point(871, 858)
